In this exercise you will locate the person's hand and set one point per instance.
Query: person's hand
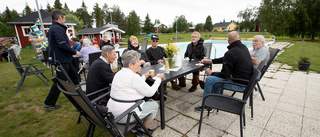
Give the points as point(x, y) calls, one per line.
point(78, 54)
point(206, 61)
point(142, 62)
point(208, 72)
point(147, 74)
point(160, 75)
point(160, 61)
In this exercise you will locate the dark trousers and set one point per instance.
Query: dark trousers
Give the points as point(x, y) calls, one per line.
point(195, 79)
point(54, 91)
point(5, 55)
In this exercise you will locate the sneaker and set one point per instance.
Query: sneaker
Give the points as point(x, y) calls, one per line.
point(48, 107)
point(193, 88)
point(175, 86)
point(56, 106)
point(201, 83)
point(141, 132)
point(206, 109)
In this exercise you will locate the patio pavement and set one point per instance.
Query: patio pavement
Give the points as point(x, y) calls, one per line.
point(291, 108)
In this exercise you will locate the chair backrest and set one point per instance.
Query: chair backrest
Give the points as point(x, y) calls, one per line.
point(93, 57)
point(119, 60)
point(262, 67)
point(207, 47)
point(273, 53)
point(252, 82)
point(144, 45)
point(15, 61)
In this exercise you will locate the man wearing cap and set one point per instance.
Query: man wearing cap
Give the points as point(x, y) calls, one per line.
point(156, 54)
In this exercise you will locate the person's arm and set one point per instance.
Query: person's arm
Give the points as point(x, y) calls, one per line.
point(255, 61)
point(62, 41)
point(217, 60)
point(143, 88)
point(107, 74)
point(226, 67)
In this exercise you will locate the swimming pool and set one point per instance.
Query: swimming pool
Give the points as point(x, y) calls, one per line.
point(220, 46)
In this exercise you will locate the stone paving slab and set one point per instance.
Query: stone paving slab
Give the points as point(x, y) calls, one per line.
point(291, 108)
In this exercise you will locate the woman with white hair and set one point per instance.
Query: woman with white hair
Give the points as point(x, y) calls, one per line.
point(128, 86)
point(86, 49)
point(259, 52)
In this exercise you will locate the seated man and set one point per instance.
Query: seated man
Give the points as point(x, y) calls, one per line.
point(195, 51)
point(100, 74)
point(4, 51)
point(259, 52)
point(236, 62)
point(106, 41)
point(156, 54)
point(86, 50)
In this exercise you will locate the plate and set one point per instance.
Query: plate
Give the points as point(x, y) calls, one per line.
point(199, 64)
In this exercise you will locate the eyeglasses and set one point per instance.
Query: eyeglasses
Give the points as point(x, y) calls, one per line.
point(155, 41)
point(194, 36)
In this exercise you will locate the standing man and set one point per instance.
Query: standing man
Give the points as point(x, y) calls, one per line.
point(59, 50)
point(195, 51)
point(156, 54)
point(106, 41)
point(259, 52)
point(236, 62)
point(100, 74)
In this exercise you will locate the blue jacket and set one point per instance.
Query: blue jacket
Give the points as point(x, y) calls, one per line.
point(59, 45)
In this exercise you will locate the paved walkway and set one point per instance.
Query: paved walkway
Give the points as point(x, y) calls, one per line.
point(291, 108)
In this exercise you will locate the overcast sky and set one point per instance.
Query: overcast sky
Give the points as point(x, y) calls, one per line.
point(195, 11)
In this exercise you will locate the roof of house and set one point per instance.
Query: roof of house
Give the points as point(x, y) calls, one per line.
point(30, 19)
point(98, 30)
point(157, 25)
point(224, 24)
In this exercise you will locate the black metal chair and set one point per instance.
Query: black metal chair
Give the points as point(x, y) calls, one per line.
point(208, 47)
point(95, 117)
point(93, 57)
point(144, 45)
point(228, 103)
point(27, 69)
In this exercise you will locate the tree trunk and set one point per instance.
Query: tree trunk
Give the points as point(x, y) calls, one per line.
point(302, 37)
point(312, 37)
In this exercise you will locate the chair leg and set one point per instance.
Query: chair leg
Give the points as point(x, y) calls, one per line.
point(92, 130)
point(201, 115)
point(89, 130)
point(241, 130)
point(21, 81)
point(251, 104)
point(40, 77)
point(260, 91)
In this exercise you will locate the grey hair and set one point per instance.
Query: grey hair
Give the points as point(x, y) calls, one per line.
point(86, 41)
point(55, 14)
point(261, 37)
point(196, 32)
point(130, 57)
point(106, 49)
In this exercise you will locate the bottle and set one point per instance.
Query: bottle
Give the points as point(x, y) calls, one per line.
point(166, 66)
point(178, 62)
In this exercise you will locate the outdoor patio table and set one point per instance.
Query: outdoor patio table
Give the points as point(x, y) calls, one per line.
point(187, 68)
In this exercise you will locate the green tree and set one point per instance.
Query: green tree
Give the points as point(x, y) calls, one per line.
point(75, 19)
point(66, 8)
point(119, 18)
point(49, 8)
point(182, 24)
point(133, 26)
point(6, 31)
point(248, 17)
point(27, 10)
point(200, 27)
point(157, 21)
point(148, 26)
point(84, 15)
point(57, 5)
point(299, 21)
point(97, 15)
point(208, 26)
point(313, 8)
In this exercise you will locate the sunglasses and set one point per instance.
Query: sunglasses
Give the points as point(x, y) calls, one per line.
point(155, 41)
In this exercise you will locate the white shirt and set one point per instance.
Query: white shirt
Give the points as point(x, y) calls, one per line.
point(127, 85)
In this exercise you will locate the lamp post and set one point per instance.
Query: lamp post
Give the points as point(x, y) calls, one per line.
point(110, 11)
point(112, 37)
point(176, 28)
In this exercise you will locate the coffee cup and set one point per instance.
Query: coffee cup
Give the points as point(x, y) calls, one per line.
point(151, 72)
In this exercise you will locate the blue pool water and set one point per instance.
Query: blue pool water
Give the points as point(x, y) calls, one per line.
point(219, 47)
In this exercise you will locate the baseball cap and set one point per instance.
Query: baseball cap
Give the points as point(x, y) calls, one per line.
point(154, 37)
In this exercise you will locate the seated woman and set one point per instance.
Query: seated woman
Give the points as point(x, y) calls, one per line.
point(133, 44)
point(86, 50)
point(127, 85)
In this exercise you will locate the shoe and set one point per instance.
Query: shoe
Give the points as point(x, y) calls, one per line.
point(141, 132)
point(193, 88)
point(175, 86)
point(182, 85)
point(206, 109)
point(48, 107)
point(56, 106)
point(201, 83)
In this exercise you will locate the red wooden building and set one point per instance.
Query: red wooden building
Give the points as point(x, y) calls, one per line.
point(158, 27)
point(113, 34)
point(23, 25)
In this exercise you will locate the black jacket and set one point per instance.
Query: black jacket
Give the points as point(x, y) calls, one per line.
point(198, 53)
point(237, 63)
point(59, 45)
point(105, 43)
point(99, 77)
point(155, 54)
point(130, 47)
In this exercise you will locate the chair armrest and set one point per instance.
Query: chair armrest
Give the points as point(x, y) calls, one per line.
point(227, 82)
point(99, 97)
point(98, 91)
point(239, 79)
point(128, 111)
point(224, 96)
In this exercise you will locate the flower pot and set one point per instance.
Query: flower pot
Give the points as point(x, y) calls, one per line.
point(303, 66)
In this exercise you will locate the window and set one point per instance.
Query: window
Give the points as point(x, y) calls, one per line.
point(26, 30)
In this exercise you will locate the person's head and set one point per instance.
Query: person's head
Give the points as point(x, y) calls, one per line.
point(94, 39)
point(58, 16)
point(85, 42)
point(13, 42)
point(109, 53)
point(131, 60)
point(195, 36)
point(81, 41)
point(233, 36)
point(105, 39)
point(74, 39)
point(134, 41)
point(258, 42)
point(154, 41)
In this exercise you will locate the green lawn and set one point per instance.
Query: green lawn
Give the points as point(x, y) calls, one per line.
point(21, 113)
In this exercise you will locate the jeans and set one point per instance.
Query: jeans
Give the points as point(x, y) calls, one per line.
point(210, 80)
point(54, 91)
